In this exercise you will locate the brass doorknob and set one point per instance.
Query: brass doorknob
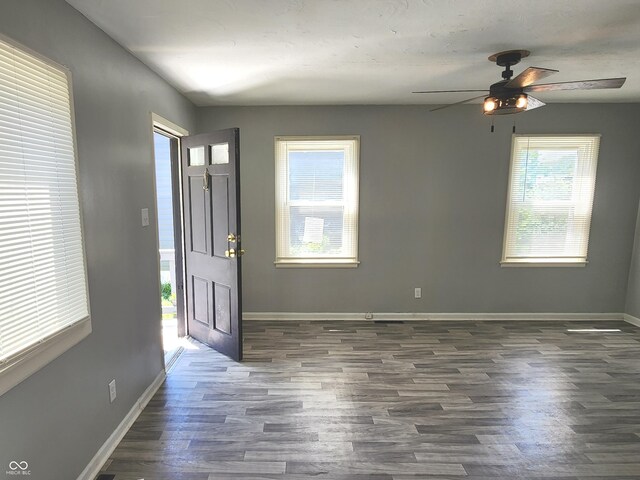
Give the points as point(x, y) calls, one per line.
point(231, 253)
point(241, 252)
point(231, 238)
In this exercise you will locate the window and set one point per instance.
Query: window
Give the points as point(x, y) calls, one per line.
point(43, 290)
point(317, 201)
point(550, 199)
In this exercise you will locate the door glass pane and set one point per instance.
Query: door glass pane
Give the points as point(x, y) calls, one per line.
point(220, 153)
point(196, 156)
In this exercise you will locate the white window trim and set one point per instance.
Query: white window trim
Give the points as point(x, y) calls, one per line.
point(537, 262)
point(32, 360)
point(18, 368)
point(284, 261)
point(304, 263)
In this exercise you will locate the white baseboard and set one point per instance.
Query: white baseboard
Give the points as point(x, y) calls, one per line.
point(93, 468)
point(307, 316)
point(632, 320)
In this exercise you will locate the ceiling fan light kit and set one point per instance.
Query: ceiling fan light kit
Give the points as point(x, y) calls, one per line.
point(503, 99)
point(511, 95)
point(502, 106)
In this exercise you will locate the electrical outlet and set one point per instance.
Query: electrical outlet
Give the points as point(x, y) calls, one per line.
point(417, 292)
point(144, 213)
point(112, 390)
point(368, 315)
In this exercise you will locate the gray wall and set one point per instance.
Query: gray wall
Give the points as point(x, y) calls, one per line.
point(432, 203)
point(57, 419)
point(633, 290)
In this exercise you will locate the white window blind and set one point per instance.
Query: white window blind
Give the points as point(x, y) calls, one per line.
point(317, 200)
point(42, 269)
point(551, 187)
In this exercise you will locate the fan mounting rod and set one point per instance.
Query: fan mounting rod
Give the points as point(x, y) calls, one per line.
point(507, 59)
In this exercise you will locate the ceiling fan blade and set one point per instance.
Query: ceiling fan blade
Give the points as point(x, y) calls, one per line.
point(457, 103)
point(533, 102)
point(578, 85)
point(451, 91)
point(529, 76)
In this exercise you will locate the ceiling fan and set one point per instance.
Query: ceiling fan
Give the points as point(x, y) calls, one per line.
point(511, 95)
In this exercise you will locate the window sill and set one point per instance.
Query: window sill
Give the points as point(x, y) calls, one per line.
point(21, 367)
point(311, 264)
point(538, 263)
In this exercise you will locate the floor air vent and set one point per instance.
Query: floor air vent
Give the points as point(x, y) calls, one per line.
point(388, 321)
point(105, 476)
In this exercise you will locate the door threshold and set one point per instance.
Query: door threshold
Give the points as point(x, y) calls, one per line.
point(171, 358)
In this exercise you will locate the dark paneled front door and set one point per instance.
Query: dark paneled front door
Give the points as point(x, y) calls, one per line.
point(211, 190)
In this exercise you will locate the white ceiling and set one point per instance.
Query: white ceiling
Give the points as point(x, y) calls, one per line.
point(279, 52)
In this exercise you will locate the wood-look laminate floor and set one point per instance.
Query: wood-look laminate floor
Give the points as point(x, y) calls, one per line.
point(375, 401)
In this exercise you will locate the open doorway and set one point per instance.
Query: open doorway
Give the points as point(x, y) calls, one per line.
point(167, 181)
point(197, 180)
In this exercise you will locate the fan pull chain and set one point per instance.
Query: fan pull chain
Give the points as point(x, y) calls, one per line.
point(513, 130)
point(492, 127)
